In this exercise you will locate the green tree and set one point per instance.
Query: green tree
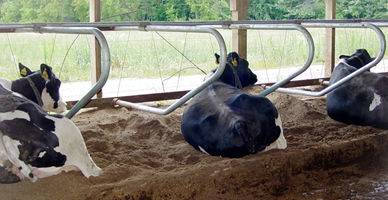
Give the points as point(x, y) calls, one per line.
point(10, 11)
point(358, 9)
point(80, 10)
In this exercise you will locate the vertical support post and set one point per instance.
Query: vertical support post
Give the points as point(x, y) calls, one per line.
point(95, 49)
point(239, 36)
point(329, 39)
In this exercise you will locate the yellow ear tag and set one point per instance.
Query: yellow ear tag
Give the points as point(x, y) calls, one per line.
point(234, 62)
point(218, 61)
point(44, 74)
point(23, 72)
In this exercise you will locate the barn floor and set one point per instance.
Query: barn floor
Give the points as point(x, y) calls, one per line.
point(144, 156)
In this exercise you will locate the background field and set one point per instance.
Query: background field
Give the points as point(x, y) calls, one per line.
point(152, 54)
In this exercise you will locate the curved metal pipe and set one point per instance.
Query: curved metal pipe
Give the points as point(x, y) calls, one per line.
point(310, 43)
point(105, 58)
point(193, 92)
point(350, 76)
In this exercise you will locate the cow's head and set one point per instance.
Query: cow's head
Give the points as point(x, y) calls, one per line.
point(48, 85)
point(246, 76)
point(358, 59)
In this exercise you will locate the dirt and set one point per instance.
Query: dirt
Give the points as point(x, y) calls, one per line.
point(144, 156)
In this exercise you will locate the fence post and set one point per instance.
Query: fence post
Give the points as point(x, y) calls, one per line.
point(239, 36)
point(329, 39)
point(95, 49)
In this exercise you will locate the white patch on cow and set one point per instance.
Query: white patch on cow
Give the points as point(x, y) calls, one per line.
point(3, 154)
point(13, 115)
point(6, 83)
point(72, 144)
point(41, 154)
point(281, 142)
point(203, 150)
point(342, 60)
point(375, 102)
point(50, 171)
point(48, 103)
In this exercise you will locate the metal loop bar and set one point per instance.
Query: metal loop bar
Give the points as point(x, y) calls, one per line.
point(104, 51)
point(352, 75)
point(304, 31)
point(193, 92)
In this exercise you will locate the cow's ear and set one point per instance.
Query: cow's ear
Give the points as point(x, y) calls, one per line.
point(46, 71)
point(24, 71)
point(217, 58)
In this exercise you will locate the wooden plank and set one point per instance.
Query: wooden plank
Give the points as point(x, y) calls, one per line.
point(239, 37)
point(104, 102)
point(330, 39)
point(95, 49)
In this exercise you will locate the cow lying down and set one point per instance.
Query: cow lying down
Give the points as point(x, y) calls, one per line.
point(41, 87)
point(362, 100)
point(223, 120)
point(34, 144)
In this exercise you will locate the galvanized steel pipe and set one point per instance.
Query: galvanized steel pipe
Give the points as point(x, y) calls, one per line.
point(104, 51)
point(193, 92)
point(352, 75)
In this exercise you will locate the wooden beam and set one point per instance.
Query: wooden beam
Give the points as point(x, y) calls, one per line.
point(239, 10)
point(95, 49)
point(330, 39)
point(105, 102)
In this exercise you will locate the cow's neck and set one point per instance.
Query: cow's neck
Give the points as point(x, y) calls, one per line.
point(23, 87)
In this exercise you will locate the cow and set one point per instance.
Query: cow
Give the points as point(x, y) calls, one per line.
point(35, 144)
point(223, 120)
point(362, 100)
point(42, 87)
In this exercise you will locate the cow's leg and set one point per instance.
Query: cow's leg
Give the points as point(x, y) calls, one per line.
point(13, 156)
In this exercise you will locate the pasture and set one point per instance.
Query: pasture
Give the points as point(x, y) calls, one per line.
point(136, 54)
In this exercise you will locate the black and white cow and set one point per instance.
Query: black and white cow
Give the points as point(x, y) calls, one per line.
point(34, 144)
point(362, 100)
point(41, 87)
point(223, 120)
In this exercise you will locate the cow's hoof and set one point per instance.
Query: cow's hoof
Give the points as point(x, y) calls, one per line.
point(7, 177)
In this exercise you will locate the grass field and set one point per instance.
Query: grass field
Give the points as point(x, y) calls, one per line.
point(147, 54)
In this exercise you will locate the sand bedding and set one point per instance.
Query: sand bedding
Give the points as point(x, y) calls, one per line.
point(144, 156)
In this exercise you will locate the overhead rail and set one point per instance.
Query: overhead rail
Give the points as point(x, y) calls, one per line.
point(350, 76)
point(186, 97)
point(111, 26)
point(73, 30)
